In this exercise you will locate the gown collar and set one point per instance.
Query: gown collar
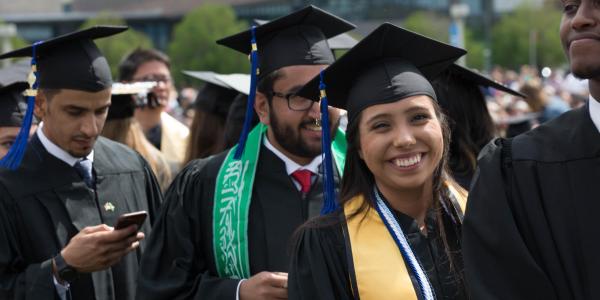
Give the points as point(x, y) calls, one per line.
point(58, 152)
point(595, 111)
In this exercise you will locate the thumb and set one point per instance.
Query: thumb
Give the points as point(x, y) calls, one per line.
point(97, 228)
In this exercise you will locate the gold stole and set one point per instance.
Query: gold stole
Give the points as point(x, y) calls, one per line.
point(379, 267)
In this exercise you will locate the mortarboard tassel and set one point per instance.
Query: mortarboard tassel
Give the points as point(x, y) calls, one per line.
point(250, 106)
point(15, 154)
point(329, 203)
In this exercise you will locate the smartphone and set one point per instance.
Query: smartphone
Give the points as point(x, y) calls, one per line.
point(125, 220)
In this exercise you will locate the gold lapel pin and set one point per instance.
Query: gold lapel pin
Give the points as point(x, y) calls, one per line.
point(109, 206)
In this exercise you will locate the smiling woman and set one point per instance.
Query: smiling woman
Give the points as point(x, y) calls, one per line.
point(397, 235)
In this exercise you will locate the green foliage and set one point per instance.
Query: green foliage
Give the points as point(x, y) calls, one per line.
point(116, 47)
point(193, 46)
point(475, 56)
point(428, 24)
point(437, 27)
point(511, 37)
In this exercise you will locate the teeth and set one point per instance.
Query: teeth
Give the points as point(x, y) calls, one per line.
point(313, 127)
point(408, 162)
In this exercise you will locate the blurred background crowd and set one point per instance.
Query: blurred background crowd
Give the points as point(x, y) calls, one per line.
point(514, 42)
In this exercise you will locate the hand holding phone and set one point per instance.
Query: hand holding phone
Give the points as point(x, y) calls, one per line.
point(126, 220)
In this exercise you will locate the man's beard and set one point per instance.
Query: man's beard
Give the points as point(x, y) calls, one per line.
point(291, 140)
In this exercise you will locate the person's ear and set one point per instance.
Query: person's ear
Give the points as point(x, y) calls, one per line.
point(41, 105)
point(262, 108)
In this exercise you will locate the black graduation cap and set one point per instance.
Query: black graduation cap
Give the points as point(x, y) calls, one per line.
point(299, 38)
point(389, 64)
point(476, 78)
point(72, 61)
point(219, 91)
point(126, 97)
point(518, 119)
point(341, 41)
point(13, 104)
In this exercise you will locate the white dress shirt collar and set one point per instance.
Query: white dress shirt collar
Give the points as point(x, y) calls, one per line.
point(595, 112)
point(58, 152)
point(290, 165)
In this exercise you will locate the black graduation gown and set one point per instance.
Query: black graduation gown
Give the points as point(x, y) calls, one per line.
point(320, 261)
point(531, 228)
point(180, 263)
point(45, 203)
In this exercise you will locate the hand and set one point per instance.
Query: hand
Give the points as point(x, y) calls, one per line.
point(265, 285)
point(99, 247)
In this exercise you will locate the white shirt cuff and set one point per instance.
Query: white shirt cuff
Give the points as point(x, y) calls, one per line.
point(62, 289)
point(237, 291)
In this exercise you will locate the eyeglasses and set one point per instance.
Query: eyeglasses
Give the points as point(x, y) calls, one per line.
point(155, 78)
point(295, 102)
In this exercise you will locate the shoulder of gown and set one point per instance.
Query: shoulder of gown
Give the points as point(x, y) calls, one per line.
point(491, 236)
point(176, 264)
point(319, 268)
point(570, 136)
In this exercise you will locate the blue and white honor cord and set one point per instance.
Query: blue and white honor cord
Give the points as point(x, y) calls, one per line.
point(400, 238)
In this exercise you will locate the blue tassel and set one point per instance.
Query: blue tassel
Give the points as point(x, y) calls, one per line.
point(330, 203)
point(15, 154)
point(250, 106)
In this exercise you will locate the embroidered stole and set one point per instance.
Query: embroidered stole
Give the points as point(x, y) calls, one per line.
point(233, 193)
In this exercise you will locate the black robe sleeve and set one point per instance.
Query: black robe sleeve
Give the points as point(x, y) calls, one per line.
point(498, 263)
point(153, 192)
point(174, 265)
point(18, 280)
point(318, 263)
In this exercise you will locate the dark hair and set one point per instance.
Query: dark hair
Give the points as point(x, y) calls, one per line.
point(49, 93)
point(236, 116)
point(265, 85)
point(130, 63)
point(469, 120)
point(207, 136)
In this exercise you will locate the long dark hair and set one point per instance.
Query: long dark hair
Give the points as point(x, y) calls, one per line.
point(469, 120)
point(207, 136)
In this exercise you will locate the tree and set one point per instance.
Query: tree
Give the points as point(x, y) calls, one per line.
point(116, 47)
point(512, 37)
point(428, 24)
point(193, 45)
point(437, 27)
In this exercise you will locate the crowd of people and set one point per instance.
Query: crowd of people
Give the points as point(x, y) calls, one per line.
point(390, 172)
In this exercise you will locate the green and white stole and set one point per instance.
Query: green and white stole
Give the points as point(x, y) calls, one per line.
point(233, 193)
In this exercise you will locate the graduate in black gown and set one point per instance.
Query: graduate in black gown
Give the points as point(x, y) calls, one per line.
point(460, 94)
point(211, 108)
point(531, 228)
point(395, 174)
point(197, 249)
point(13, 104)
point(57, 206)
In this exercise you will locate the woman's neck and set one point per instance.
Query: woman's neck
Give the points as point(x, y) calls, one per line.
point(411, 202)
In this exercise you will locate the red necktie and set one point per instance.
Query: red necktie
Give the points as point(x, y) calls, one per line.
point(303, 177)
